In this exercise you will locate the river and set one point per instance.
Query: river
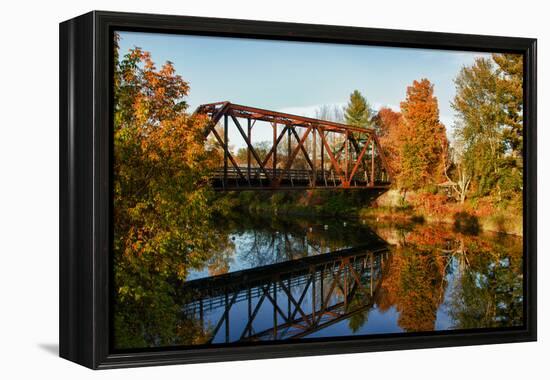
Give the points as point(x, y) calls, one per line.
point(301, 278)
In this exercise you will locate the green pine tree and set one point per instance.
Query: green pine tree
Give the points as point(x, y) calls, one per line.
point(358, 112)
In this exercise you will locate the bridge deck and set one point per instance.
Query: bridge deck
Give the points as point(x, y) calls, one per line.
point(257, 178)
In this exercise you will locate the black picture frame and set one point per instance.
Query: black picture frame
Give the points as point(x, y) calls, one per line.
point(86, 46)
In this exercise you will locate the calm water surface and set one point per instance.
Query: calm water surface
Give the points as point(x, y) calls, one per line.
point(278, 279)
point(291, 279)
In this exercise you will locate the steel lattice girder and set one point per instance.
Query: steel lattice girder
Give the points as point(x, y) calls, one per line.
point(345, 171)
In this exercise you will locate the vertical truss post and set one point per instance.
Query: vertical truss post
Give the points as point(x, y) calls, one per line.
point(321, 287)
point(275, 323)
point(372, 164)
point(289, 152)
point(322, 153)
point(248, 154)
point(288, 299)
point(226, 148)
point(346, 264)
point(313, 294)
point(201, 313)
point(249, 297)
point(274, 150)
point(227, 318)
point(346, 159)
point(314, 151)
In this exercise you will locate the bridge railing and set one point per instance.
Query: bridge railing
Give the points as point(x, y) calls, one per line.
point(233, 176)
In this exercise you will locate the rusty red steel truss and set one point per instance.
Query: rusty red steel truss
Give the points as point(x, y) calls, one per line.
point(305, 153)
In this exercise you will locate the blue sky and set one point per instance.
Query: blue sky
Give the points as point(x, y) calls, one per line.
point(298, 77)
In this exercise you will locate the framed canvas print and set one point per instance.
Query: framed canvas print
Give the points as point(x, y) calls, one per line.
point(236, 189)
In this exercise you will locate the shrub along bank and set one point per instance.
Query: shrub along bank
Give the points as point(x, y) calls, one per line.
point(474, 215)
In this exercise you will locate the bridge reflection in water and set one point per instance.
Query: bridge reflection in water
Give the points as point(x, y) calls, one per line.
point(287, 300)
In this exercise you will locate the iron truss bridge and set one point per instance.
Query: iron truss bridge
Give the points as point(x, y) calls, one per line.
point(304, 153)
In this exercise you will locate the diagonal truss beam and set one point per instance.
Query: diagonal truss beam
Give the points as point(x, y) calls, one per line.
point(293, 155)
point(224, 316)
point(250, 147)
point(304, 150)
point(333, 160)
point(356, 146)
point(229, 155)
point(274, 147)
point(383, 158)
point(360, 159)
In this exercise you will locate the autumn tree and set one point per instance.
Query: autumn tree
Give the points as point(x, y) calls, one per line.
point(478, 122)
point(509, 87)
point(162, 220)
point(422, 141)
point(488, 105)
point(387, 124)
point(358, 112)
point(509, 74)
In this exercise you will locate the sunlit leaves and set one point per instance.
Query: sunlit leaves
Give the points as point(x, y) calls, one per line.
point(422, 143)
point(489, 109)
point(162, 218)
point(387, 124)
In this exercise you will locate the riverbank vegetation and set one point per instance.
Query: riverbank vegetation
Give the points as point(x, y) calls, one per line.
point(477, 172)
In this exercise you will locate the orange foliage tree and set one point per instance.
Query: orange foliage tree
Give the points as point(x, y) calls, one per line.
point(162, 216)
point(422, 143)
point(387, 125)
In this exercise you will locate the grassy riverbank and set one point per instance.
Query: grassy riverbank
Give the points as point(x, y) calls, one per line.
point(475, 215)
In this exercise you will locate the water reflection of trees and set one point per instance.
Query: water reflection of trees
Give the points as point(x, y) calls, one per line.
point(147, 309)
point(485, 273)
point(265, 241)
point(488, 290)
point(475, 280)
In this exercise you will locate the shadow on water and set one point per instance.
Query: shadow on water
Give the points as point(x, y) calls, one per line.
point(466, 223)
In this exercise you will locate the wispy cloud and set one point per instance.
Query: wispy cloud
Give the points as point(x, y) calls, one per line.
point(309, 111)
point(378, 105)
